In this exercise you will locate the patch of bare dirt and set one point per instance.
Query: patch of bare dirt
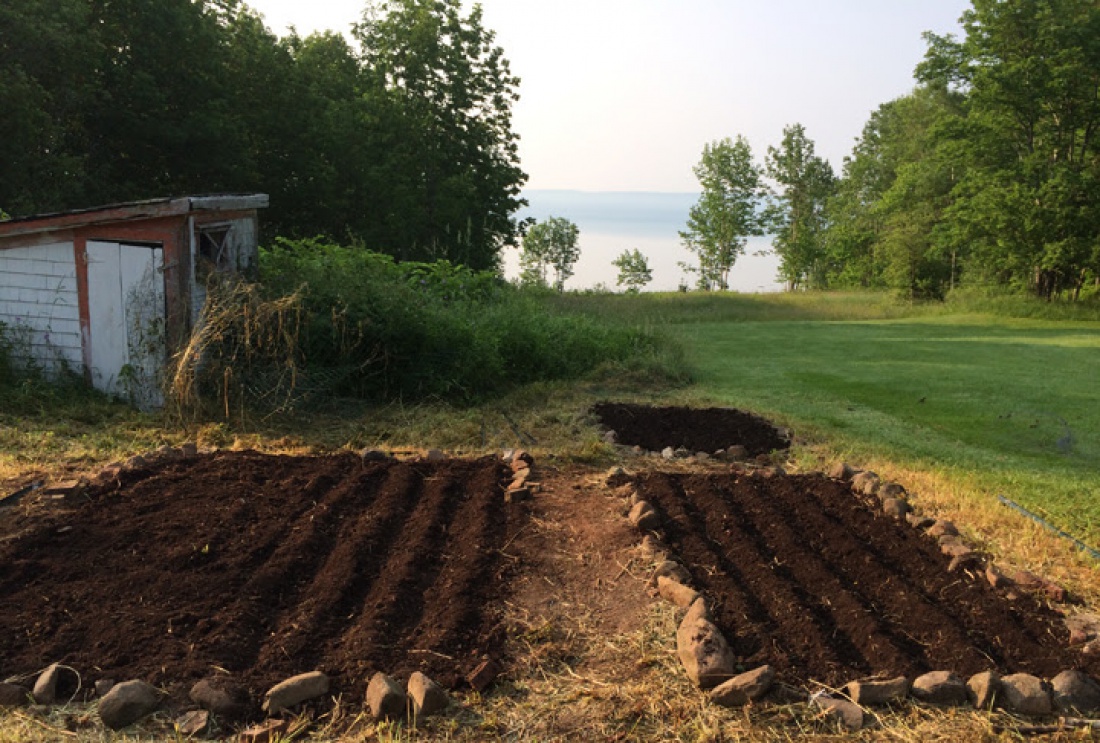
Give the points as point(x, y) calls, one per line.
point(695, 429)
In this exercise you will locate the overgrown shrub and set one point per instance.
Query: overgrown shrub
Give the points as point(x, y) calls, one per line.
point(355, 323)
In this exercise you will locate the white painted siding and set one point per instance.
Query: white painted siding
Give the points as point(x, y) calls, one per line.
point(38, 305)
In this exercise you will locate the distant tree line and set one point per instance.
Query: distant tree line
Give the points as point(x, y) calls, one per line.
point(402, 142)
point(988, 173)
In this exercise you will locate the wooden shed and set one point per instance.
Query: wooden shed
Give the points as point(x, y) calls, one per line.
point(110, 292)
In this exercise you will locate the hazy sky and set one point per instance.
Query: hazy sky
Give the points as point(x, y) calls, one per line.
point(621, 95)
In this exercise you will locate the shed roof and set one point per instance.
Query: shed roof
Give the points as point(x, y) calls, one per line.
point(130, 211)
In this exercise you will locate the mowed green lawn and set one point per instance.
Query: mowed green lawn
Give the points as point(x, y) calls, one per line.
point(1011, 405)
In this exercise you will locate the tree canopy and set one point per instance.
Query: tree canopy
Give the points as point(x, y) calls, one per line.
point(402, 143)
point(550, 244)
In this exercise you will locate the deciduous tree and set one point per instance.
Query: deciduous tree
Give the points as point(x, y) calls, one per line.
point(550, 244)
point(726, 214)
point(634, 270)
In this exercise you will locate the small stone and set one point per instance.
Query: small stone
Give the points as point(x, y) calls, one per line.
point(942, 528)
point(483, 674)
point(294, 691)
point(919, 522)
point(699, 609)
point(519, 479)
point(62, 487)
point(1074, 691)
point(56, 683)
point(519, 465)
point(521, 455)
point(668, 453)
point(653, 548)
point(966, 561)
point(865, 483)
point(743, 688)
point(221, 696)
point(1055, 592)
point(1027, 580)
point(127, 703)
point(610, 437)
point(373, 455)
point(874, 693)
point(426, 696)
point(955, 549)
point(643, 516)
point(847, 714)
point(14, 695)
point(135, 462)
point(1083, 627)
point(701, 456)
point(189, 450)
point(891, 490)
point(671, 569)
point(437, 455)
point(265, 732)
point(895, 508)
point(841, 471)
point(195, 722)
point(939, 687)
point(514, 495)
point(385, 698)
point(682, 452)
point(704, 653)
point(983, 688)
point(996, 578)
point(616, 477)
point(1026, 695)
point(102, 686)
point(737, 453)
point(675, 592)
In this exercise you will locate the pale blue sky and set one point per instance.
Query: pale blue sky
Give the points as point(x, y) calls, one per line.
point(621, 95)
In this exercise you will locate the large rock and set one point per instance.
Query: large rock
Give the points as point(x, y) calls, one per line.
point(675, 592)
point(56, 683)
point(1083, 628)
point(939, 687)
point(983, 688)
point(385, 699)
point(847, 714)
point(1026, 695)
point(128, 702)
point(294, 691)
point(1073, 690)
point(221, 697)
point(426, 697)
point(943, 528)
point(873, 693)
point(743, 688)
point(704, 652)
point(14, 695)
point(699, 609)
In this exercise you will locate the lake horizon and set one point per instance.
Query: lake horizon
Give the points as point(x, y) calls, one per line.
point(649, 221)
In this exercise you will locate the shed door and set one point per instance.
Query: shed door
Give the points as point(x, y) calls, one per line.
point(126, 320)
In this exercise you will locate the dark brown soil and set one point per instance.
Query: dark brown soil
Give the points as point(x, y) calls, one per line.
point(807, 578)
point(264, 566)
point(705, 429)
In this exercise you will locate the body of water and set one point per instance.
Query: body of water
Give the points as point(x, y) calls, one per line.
point(611, 222)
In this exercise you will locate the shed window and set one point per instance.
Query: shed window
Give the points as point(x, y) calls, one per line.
point(213, 252)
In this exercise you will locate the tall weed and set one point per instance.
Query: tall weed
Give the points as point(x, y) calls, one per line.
point(368, 327)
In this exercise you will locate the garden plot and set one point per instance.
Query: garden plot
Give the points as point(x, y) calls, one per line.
point(261, 567)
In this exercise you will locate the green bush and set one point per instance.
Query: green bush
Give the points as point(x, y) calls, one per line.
point(377, 329)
